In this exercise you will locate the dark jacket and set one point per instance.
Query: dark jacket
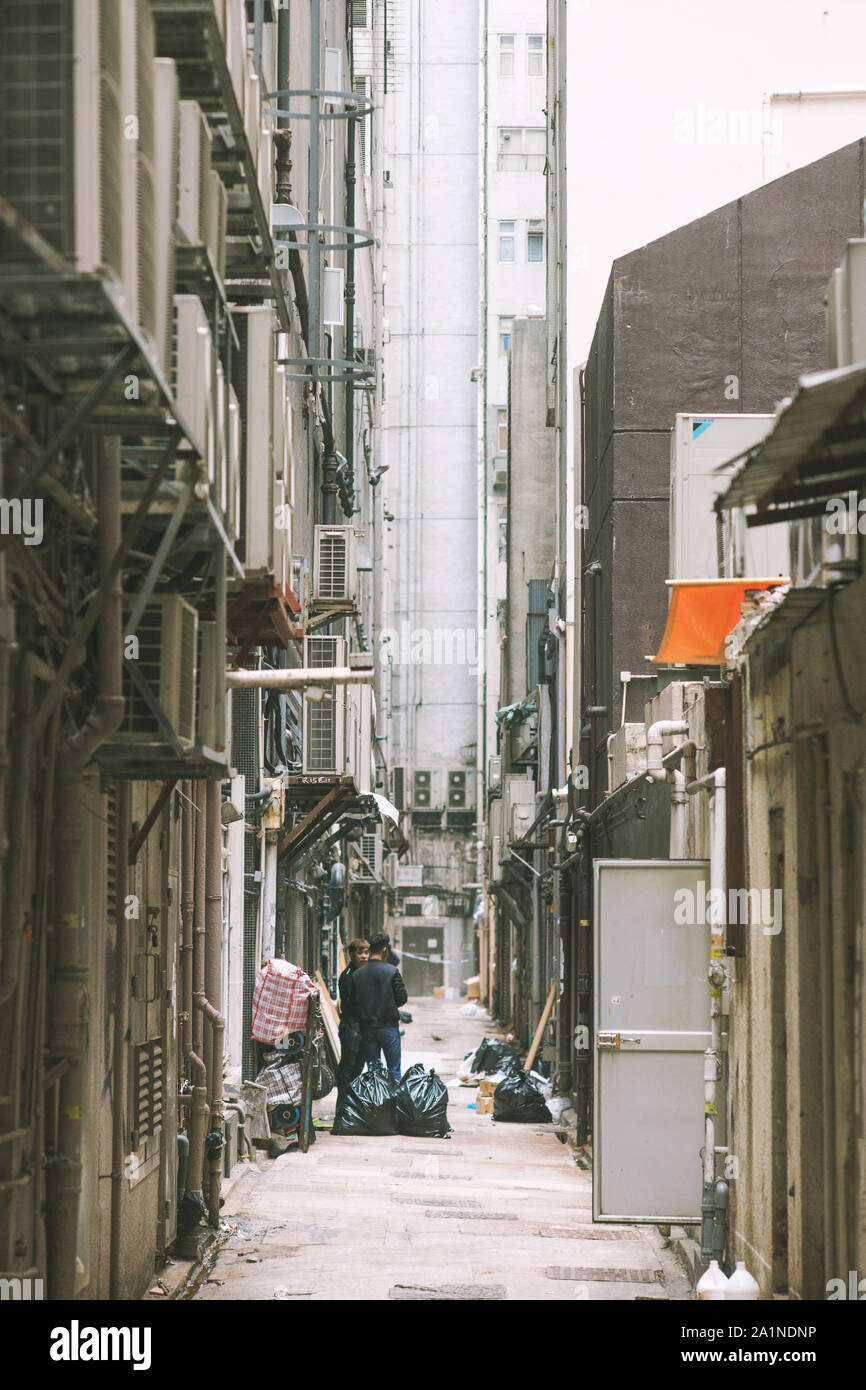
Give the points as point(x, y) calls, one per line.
point(374, 994)
point(347, 1013)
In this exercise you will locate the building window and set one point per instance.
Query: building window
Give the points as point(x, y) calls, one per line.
point(505, 322)
point(502, 430)
point(506, 241)
point(506, 55)
point(535, 55)
point(520, 149)
point(535, 240)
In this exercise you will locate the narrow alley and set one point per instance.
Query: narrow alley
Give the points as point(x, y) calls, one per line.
point(498, 1211)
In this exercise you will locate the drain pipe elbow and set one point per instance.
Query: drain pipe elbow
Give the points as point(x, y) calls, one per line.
point(655, 735)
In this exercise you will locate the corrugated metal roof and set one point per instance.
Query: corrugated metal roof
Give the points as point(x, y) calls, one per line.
point(822, 400)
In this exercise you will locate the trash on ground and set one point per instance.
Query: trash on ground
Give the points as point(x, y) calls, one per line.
point(369, 1106)
point(518, 1099)
point(557, 1105)
point(422, 1104)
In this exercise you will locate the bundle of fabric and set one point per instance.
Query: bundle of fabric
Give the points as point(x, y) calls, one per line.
point(280, 1000)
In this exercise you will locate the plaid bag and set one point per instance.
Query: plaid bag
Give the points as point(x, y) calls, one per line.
point(280, 1000)
point(282, 1081)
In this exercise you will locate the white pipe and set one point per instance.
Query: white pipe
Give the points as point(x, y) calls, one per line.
point(712, 1057)
point(299, 677)
point(654, 740)
point(679, 801)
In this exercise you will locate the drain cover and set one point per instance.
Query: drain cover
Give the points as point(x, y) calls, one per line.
point(477, 1215)
point(423, 1177)
point(434, 1202)
point(585, 1233)
point(448, 1292)
point(605, 1276)
point(440, 1152)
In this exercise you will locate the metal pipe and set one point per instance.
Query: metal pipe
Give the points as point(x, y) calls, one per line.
point(118, 1056)
point(299, 677)
point(69, 980)
point(217, 1025)
point(213, 922)
point(199, 1112)
point(349, 339)
point(187, 900)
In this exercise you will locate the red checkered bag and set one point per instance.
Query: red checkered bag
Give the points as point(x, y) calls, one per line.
point(280, 1000)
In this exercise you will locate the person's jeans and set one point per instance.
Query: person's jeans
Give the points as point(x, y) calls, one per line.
point(351, 1059)
point(388, 1039)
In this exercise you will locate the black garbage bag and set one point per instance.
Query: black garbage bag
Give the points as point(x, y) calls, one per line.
point(422, 1104)
point(519, 1099)
point(492, 1055)
point(369, 1106)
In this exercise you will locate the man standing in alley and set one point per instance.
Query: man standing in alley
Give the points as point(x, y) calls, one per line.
point(376, 993)
point(351, 1060)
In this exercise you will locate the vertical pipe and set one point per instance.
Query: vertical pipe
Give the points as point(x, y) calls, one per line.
point(349, 353)
point(199, 1112)
point(69, 994)
point(119, 1124)
point(313, 331)
point(213, 929)
point(187, 900)
point(283, 42)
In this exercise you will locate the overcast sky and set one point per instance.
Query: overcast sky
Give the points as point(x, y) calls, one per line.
point(666, 110)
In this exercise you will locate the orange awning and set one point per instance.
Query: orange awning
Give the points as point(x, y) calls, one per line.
point(701, 614)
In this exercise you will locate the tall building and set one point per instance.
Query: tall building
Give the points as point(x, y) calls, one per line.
point(427, 643)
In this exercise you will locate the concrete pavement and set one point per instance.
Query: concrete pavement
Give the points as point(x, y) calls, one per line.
point(496, 1212)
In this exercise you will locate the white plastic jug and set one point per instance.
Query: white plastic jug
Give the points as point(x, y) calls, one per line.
point(712, 1285)
point(741, 1286)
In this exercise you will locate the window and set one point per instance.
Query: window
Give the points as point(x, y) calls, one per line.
point(535, 240)
point(506, 55)
point(520, 148)
point(502, 430)
point(506, 241)
point(505, 322)
point(535, 55)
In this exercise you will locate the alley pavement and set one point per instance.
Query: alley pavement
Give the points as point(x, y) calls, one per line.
point(496, 1212)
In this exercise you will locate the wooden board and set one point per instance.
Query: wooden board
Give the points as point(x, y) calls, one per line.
point(330, 1018)
point(539, 1032)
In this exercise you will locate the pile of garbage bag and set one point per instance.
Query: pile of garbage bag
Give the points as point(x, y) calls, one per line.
point(519, 1099)
point(492, 1056)
point(422, 1104)
point(375, 1105)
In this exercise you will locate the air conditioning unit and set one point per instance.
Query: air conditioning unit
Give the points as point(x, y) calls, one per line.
point(231, 498)
point(167, 659)
point(193, 368)
point(236, 47)
point(253, 378)
point(461, 789)
point(494, 854)
point(325, 710)
point(140, 233)
point(166, 136)
point(62, 111)
point(360, 720)
point(494, 774)
point(519, 797)
point(217, 221)
point(335, 567)
point(265, 167)
point(194, 176)
point(283, 519)
point(253, 113)
point(366, 858)
point(212, 704)
point(426, 789)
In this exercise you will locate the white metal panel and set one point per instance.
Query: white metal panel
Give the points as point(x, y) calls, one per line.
point(652, 1008)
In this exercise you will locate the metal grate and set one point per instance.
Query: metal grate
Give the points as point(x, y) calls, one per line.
point(448, 1292)
point(601, 1275)
point(148, 1087)
point(398, 788)
point(111, 851)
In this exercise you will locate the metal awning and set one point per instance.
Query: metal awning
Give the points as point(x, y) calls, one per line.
point(701, 614)
point(816, 449)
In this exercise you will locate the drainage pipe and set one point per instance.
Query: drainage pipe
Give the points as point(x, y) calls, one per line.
point(69, 979)
point(288, 678)
point(655, 734)
point(119, 1124)
point(714, 782)
point(206, 1003)
point(199, 1110)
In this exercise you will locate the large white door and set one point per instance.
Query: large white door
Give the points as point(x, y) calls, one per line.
point(652, 1025)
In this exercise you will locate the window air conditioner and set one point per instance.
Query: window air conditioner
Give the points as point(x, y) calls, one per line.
point(166, 134)
point(360, 717)
point(231, 499)
point(212, 704)
point(520, 806)
point(62, 108)
point(253, 113)
point(193, 367)
point(167, 653)
point(335, 569)
point(325, 710)
point(461, 786)
point(217, 219)
point(426, 789)
point(494, 774)
point(140, 260)
point(236, 47)
point(366, 859)
point(282, 559)
point(194, 178)
point(254, 383)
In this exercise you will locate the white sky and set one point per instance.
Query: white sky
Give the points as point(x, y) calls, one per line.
point(664, 113)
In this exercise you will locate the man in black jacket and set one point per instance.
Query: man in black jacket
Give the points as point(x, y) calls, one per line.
point(351, 1060)
point(376, 993)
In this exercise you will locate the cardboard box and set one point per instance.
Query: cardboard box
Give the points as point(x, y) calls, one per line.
point(487, 1087)
point(445, 992)
point(484, 1105)
point(473, 987)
